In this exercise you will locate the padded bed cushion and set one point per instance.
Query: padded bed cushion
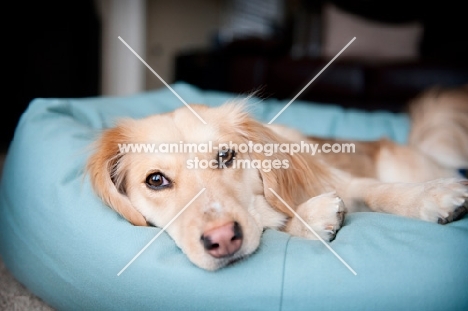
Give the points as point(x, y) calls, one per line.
point(64, 245)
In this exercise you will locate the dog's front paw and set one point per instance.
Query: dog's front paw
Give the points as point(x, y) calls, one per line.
point(324, 214)
point(446, 200)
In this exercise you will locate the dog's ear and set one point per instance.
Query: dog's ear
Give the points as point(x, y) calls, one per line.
point(108, 176)
point(300, 177)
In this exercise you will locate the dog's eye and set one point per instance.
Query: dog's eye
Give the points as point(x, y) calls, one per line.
point(157, 181)
point(226, 157)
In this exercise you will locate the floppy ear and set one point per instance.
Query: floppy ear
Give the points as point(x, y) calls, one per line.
point(304, 176)
point(108, 177)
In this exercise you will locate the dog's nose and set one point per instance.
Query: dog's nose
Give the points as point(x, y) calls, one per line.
point(224, 240)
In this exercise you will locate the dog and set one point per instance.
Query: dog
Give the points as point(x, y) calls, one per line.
point(233, 206)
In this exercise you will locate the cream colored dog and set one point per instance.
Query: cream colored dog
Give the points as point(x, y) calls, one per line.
point(225, 222)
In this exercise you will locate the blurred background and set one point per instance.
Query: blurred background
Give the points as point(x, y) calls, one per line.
point(71, 49)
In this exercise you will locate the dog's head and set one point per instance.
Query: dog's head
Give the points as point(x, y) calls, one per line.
point(225, 222)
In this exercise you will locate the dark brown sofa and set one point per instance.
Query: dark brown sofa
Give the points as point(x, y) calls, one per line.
point(348, 82)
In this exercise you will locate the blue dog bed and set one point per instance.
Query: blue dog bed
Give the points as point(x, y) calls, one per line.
point(64, 245)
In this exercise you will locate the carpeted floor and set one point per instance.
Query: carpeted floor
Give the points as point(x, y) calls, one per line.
point(13, 295)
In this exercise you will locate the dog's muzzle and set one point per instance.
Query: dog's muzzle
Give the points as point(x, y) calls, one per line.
point(223, 241)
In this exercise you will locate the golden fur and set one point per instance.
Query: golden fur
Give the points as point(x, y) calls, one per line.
point(418, 180)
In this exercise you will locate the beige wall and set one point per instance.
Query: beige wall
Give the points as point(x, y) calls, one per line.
point(174, 26)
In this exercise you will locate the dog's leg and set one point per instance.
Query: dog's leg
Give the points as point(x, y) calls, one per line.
point(324, 214)
point(441, 200)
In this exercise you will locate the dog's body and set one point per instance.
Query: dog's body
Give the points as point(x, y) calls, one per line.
point(225, 222)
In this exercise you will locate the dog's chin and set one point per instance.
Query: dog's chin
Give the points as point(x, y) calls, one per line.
point(209, 263)
point(214, 264)
point(225, 262)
